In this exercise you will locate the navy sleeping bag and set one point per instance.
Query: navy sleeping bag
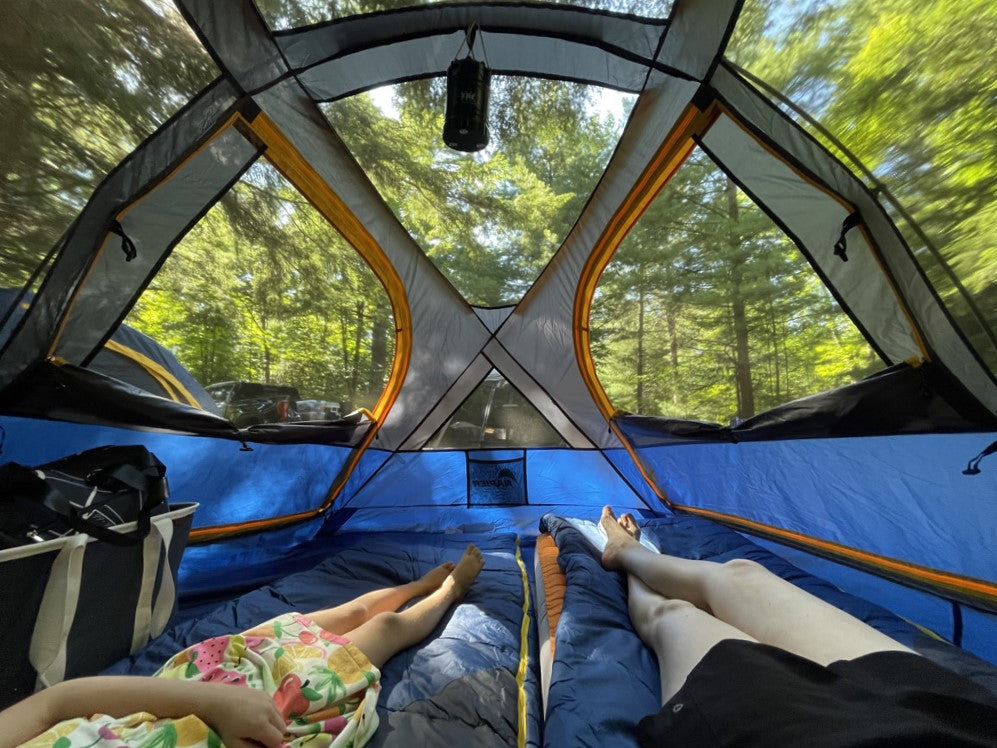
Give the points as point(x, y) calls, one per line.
point(466, 685)
point(603, 679)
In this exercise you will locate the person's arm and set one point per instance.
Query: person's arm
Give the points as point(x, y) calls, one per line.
point(242, 717)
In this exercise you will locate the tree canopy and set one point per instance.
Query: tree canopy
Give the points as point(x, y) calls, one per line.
point(910, 88)
point(706, 311)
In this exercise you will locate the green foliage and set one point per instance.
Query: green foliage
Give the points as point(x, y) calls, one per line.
point(263, 289)
point(707, 310)
point(81, 85)
point(284, 14)
point(910, 87)
point(488, 221)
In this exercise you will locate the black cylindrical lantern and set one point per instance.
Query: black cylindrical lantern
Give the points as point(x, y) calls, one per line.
point(466, 124)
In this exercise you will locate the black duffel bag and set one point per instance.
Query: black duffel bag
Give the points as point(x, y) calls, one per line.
point(88, 492)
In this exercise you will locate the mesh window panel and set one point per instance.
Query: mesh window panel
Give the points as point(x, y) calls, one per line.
point(81, 85)
point(495, 416)
point(708, 311)
point(907, 87)
point(289, 14)
point(270, 308)
point(489, 221)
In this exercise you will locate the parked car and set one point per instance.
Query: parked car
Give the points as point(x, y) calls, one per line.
point(251, 403)
point(495, 415)
point(318, 410)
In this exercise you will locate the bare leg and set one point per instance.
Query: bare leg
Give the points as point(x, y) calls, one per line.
point(348, 616)
point(679, 633)
point(386, 634)
point(748, 597)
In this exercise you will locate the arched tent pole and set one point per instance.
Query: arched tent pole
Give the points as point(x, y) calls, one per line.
point(670, 156)
point(692, 126)
point(668, 159)
point(286, 158)
point(294, 69)
point(289, 162)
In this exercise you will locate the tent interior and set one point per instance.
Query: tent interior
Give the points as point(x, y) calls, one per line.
point(726, 265)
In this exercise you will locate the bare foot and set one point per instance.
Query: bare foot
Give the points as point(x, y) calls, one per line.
point(618, 539)
point(432, 579)
point(466, 570)
point(629, 523)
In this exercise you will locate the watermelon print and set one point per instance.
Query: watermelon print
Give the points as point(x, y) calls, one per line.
point(325, 688)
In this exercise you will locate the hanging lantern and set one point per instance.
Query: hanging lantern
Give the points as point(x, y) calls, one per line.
point(465, 127)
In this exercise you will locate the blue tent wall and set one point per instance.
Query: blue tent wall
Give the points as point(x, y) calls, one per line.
point(231, 485)
point(553, 477)
point(905, 497)
point(623, 462)
point(901, 496)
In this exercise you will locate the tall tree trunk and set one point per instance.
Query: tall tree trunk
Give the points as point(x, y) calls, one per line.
point(344, 346)
point(774, 327)
point(378, 353)
point(673, 342)
point(742, 365)
point(640, 342)
point(357, 337)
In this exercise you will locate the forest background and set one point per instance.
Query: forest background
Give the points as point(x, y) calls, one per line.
point(707, 310)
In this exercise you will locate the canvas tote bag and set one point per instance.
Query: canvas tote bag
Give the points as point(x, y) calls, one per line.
point(73, 604)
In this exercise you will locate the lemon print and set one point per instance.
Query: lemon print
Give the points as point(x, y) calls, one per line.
point(285, 666)
point(236, 649)
point(136, 719)
point(291, 658)
point(53, 734)
point(344, 665)
point(302, 652)
point(190, 731)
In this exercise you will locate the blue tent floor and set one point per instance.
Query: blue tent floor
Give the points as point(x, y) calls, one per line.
point(477, 652)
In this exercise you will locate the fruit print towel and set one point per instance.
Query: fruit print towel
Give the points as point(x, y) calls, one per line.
point(324, 686)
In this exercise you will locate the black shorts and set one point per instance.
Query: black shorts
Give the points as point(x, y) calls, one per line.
point(748, 694)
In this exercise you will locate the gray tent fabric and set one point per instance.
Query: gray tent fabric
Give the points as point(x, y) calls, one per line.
point(152, 224)
point(155, 158)
point(814, 218)
point(619, 38)
point(544, 319)
point(698, 34)
point(493, 318)
point(179, 172)
point(356, 54)
point(926, 309)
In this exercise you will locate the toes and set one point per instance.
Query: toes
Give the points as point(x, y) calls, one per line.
point(629, 523)
point(475, 553)
point(607, 513)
